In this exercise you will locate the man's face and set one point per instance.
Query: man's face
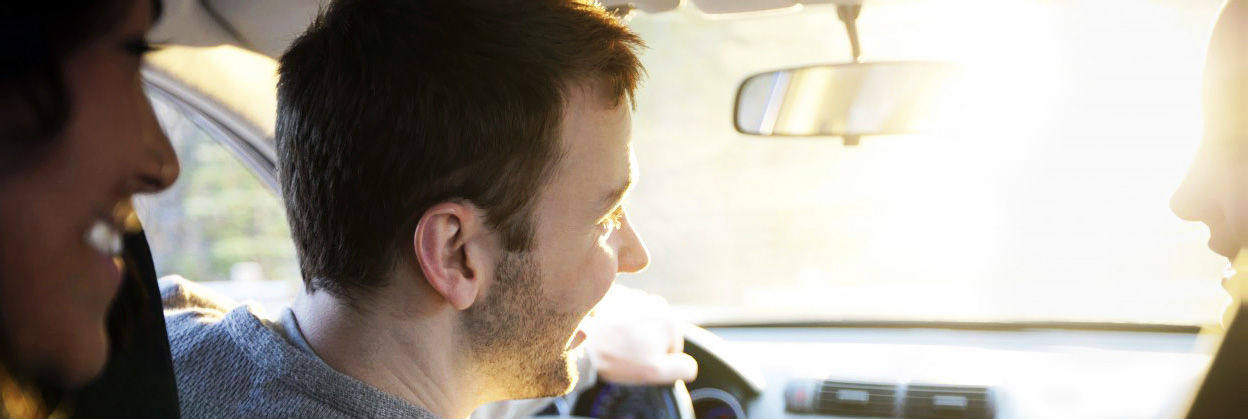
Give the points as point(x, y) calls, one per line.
point(529, 321)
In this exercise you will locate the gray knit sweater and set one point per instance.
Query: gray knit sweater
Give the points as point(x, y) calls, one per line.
point(237, 364)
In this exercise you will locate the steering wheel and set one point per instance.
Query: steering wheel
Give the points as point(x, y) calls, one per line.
point(614, 401)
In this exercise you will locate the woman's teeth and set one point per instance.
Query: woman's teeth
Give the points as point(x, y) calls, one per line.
point(104, 238)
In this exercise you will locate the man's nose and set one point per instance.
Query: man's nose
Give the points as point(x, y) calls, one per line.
point(633, 256)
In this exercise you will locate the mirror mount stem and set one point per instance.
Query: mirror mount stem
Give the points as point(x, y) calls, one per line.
point(848, 13)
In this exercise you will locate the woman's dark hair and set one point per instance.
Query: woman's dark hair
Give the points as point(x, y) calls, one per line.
point(35, 39)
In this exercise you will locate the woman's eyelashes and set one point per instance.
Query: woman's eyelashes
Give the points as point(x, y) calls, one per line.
point(139, 47)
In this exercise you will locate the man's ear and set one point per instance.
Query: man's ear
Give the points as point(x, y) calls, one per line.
point(456, 251)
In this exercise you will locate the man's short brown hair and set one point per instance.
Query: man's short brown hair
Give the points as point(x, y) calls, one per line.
point(388, 107)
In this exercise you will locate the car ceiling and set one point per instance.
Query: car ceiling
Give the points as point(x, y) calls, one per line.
point(267, 27)
point(237, 86)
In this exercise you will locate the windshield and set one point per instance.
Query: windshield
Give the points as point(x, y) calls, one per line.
point(1049, 204)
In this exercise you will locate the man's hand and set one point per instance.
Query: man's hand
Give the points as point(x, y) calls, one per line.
point(635, 339)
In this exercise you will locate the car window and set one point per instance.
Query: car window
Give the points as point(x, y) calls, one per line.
point(218, 224)
point(1049, 202)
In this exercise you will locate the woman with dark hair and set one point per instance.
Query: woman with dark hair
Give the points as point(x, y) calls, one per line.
point(78, 138)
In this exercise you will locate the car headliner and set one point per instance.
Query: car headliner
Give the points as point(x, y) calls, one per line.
point(237, 86)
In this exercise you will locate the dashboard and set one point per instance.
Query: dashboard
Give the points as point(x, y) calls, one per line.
point(929, 372)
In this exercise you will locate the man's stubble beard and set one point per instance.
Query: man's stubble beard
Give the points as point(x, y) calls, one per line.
point(517, 338)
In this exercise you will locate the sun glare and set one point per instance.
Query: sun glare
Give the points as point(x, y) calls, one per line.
point(1079, 126)
point(1042, 196)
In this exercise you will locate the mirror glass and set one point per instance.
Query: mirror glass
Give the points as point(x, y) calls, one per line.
point(848, 100)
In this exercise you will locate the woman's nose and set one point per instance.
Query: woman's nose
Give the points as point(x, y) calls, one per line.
point(158, 165)
point(1196, 199)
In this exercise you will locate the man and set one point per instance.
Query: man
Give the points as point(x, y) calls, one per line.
point(1215, 190)
point(454, 173)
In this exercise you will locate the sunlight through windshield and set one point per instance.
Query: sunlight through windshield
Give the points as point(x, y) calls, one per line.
point(1049, 201)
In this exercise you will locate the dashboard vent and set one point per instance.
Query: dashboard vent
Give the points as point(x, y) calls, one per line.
point(948, 402)
point(842, 398)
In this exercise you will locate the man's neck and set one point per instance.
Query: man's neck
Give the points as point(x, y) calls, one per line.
point(413, 357)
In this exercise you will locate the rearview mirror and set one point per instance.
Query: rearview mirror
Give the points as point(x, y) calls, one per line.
point(847, 100)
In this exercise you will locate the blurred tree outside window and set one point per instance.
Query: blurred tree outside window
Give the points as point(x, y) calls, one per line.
point(218, 224)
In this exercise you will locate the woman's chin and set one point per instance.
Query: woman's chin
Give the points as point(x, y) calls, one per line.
point(85, 360)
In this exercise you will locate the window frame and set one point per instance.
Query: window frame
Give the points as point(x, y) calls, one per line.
point(253, 149)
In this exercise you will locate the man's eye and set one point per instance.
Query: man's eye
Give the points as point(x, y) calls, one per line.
point(614, 218)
